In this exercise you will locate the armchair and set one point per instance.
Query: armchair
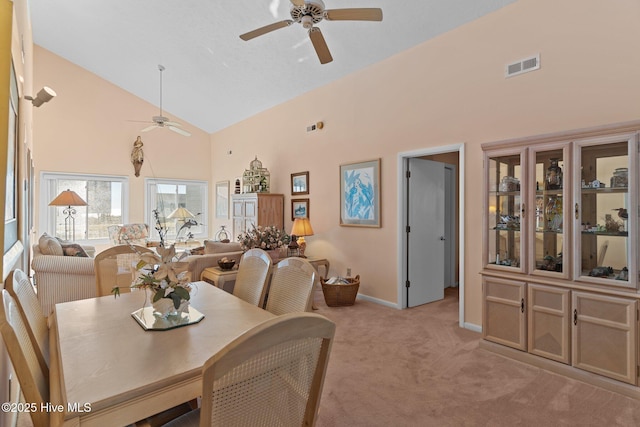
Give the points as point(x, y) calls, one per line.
point(135, 234)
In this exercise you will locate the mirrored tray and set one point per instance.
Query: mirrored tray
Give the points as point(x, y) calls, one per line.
point(151, 321)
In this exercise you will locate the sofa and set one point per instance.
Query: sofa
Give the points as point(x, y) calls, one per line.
point(62, 274)
point(213, 251)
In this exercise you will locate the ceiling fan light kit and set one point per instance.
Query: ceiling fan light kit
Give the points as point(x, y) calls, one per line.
point(310, 12)
point(161, 121)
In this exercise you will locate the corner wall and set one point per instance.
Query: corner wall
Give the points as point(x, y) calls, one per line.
point(449, 90)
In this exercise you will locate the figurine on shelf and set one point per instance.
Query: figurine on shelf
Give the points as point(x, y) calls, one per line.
point(553, 179)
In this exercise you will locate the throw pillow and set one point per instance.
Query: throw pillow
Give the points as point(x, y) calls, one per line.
point(197, 251)
point(213, 247)
point(50, 245)
point(74, 249)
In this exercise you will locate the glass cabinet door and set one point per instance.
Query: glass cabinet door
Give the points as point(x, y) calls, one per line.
point(504, 209)
point(549, 209)
point(605, 209)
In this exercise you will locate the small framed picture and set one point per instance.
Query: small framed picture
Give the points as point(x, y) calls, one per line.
point(299, 208)
point(299, 183)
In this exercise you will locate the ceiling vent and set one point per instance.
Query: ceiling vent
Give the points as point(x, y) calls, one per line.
point(523, 66)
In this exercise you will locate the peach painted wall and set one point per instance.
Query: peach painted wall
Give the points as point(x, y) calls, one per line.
point(86, 129)
point(446, 91)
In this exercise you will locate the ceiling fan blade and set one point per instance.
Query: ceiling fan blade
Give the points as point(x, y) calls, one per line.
point(172, 124)
point(357, 14)
point(180, 131)
point(148, 128)
point(298, 2)
point(317, 39)
point(266, 29)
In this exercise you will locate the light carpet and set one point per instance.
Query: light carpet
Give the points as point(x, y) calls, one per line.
point(417, 367)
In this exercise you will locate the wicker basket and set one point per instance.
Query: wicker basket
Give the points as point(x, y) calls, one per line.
point(340, 295)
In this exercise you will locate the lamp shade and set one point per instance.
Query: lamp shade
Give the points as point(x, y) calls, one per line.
point(181, 213)
point(68, 198)
point(301, 227)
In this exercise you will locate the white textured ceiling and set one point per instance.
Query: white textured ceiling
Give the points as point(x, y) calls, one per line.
point(213, 79)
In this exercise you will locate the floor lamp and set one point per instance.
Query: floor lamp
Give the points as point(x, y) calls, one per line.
point(68, 198)
point(183, 216)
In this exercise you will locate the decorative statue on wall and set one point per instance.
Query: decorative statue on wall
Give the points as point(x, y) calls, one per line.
point(137, 155)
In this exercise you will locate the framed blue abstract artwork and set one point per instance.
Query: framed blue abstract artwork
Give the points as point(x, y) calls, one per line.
point(360, 194)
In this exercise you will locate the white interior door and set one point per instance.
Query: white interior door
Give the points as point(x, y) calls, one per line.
point(426, 232)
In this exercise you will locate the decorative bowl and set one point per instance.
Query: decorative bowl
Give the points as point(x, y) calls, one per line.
point(226, 265)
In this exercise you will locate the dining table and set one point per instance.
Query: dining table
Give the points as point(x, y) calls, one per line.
point(107, 370)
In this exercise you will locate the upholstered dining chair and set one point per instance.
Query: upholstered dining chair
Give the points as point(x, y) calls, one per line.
point(253, 272)
point(116, 266)
point(272, 375)
point(291, 286)
point(24, 294)
point(34, 383)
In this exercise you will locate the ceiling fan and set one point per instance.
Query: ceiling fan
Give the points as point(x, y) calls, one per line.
point(162, 121)
point(310, 12)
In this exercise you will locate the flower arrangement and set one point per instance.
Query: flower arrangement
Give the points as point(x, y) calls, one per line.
point(267, 238)
point(162, 276)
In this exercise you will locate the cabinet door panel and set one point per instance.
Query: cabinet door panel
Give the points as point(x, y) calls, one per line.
point(504, 320)
point(548, 320)
point(604, 335)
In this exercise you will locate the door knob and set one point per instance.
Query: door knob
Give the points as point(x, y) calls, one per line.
point(442, 238)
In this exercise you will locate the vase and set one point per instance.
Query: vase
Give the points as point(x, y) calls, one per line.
point(164, 307)
point(553, 178)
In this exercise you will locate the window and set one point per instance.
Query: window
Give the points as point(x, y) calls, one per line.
point(106, 197)
point(167, 195)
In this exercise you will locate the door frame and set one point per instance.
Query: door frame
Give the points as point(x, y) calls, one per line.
point(402, 219)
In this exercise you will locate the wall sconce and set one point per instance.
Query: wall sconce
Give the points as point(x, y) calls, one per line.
point(46, 94)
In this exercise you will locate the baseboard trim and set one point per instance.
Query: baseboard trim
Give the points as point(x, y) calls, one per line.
point(472, 327)
point(378, 301)
point(624, 389)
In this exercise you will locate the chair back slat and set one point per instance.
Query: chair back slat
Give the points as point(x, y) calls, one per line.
point(34, 383)
point(24, 294)
point(272, 375)
point(116, 266)
point(291, 286)
point(253, 272)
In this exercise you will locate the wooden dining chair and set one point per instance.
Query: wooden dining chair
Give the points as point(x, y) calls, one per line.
point(291, 286)
point(34, 383)
point(22, 291)
point(116, 266)
point(272, 375)
point(253, 272)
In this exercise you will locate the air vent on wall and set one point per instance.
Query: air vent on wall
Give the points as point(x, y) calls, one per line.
point(523, 66)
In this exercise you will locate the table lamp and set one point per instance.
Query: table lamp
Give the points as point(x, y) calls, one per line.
point(68, 198)
point(302, 227)
point(181, 214)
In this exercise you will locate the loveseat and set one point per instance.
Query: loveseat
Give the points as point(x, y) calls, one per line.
point(59, 277)
point(213, 251)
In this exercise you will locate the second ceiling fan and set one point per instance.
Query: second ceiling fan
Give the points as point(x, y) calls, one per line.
point(310, 12)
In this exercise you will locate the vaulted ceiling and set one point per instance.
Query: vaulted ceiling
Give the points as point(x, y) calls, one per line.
point(214, 79)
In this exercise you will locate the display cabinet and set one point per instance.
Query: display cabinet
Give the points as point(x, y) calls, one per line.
point(550, 197)
point(504, 221)
point(606, 212)
point(560, 258)
point(256, 209)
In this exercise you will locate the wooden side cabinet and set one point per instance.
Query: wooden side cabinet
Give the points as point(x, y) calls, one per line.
point(259, 209)
point(504, 317)
point(604, 333)
point(549, 322)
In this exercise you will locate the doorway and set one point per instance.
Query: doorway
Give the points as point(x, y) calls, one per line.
point(452, 254)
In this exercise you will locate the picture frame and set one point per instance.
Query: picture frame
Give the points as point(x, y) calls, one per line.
point(222, 200)
point(360, 194)
point(299, 208)
point(299, 183)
